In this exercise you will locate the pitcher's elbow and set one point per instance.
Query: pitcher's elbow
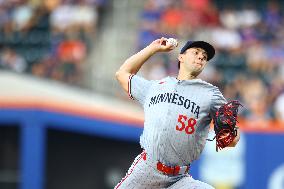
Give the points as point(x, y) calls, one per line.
point(116, 74)
point(119, 74)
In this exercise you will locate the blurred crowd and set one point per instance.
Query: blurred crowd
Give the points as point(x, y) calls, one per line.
point(49, 38)
point(249, 64)
point(53, 38)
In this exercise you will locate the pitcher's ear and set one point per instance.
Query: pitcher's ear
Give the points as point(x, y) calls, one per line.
point(180, 57)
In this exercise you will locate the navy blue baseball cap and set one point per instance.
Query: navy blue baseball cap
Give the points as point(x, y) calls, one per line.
point(201, 44)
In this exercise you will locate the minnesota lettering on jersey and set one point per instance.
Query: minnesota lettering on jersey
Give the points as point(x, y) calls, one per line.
point(175, 98)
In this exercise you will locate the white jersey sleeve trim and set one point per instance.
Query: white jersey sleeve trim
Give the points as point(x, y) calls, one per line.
point(129, 87)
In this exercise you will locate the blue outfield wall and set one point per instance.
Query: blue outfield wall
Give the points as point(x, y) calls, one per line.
point(263, 155)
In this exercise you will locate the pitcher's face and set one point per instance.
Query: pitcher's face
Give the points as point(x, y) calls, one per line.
point(193, 60)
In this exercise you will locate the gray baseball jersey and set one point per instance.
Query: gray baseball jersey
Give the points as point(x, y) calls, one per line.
point(177, 118)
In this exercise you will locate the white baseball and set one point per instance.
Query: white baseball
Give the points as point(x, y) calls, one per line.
point(172, 42)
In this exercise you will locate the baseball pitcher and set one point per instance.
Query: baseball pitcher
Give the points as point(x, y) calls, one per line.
point(178, 111)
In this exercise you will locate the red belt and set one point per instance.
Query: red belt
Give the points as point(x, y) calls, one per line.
point(170, 170)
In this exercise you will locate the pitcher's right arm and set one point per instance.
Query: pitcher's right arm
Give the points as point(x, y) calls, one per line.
point(133, 64)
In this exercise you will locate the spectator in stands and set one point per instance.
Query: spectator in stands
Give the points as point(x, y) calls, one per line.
point(279, 107)
point(149, 29)
point(272, 16)
point(36, 31)
point(85, 17)
point(172, 19)
point(71, 53)
point(21, 16)
point(9, 59)
point(255, 94)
